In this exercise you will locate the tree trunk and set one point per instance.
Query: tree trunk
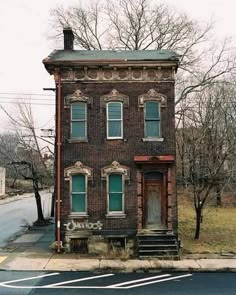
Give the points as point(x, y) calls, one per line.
point(198, 212)
point(218, 196)
point(38, 202)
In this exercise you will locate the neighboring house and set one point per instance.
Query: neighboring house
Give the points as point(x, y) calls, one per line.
point(115, 148)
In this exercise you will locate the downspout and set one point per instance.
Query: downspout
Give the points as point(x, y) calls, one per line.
point(58, 162)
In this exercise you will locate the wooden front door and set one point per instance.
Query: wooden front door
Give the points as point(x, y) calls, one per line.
point(154, 204)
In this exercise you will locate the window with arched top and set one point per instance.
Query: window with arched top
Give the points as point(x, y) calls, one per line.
point(78, 121)
point(115, 193)
point(114, 111)
point(78, 194)
point(115, 176)
point(152, 103)
point(78, 175)
point(152, 119)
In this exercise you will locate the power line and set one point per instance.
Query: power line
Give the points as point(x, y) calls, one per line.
point(25, 98)
point(32, 103)
point(46, 123)
point(19, 93)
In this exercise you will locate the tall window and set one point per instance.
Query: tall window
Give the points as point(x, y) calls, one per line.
point(79, 120)
point(114, 120)
point(152, 119)
point(115, 194)
point(78, 194)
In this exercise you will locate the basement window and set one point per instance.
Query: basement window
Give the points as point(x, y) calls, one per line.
point(117, 242)
point(79, 245)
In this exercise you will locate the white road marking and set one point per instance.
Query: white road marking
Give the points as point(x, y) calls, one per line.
point(136, 281)
point(30, 278)
point(58, 287)
point(115, 286)
point(78, 280)
point(157, 281)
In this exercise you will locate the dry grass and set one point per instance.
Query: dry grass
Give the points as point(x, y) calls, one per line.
point(218, 230)
point(115, 253)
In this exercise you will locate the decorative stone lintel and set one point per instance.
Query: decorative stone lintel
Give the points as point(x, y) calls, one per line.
point(78, 168)
point(115, 167)
point(77, 96)
point(114, 95)
point(152, 95)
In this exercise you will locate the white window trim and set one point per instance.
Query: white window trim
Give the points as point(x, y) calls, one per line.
point(113, 213)
point(116, 168)
point(85, 138)
point(78, 213)
point(151, 138)
point(77, 169)
point(119, 120)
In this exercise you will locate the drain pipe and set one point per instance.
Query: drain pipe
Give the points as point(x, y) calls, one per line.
point(58, 161)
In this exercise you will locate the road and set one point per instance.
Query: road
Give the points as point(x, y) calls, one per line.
point(48, 283)
point(15, 214)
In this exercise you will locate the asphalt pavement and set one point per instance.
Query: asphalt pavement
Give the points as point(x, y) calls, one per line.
point(17, 212)
point(35, 283)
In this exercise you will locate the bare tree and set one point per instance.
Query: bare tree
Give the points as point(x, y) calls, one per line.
point(26, 157)
point(210, 139)
point(203, 64)
point(145, 24)
point(8, 144)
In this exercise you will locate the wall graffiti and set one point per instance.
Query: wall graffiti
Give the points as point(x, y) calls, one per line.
point(72, 225)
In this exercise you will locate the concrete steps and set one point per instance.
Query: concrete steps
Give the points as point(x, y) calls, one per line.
point(161, 244)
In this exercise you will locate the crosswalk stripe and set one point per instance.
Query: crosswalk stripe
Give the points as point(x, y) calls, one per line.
point(78, 280)
point(30, 278)
point(136, 281)
point(157, 281)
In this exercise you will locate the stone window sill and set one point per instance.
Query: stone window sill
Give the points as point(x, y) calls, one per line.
point(158, 139)
point(118, 215)
point(77, 140)
point(115, 138)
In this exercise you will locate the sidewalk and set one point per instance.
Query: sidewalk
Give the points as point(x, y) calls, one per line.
point(14, 198)
point(32, 252)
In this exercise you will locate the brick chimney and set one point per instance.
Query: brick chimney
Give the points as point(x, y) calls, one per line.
point(68, 38)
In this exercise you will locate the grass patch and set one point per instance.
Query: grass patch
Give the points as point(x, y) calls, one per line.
point(217, 230)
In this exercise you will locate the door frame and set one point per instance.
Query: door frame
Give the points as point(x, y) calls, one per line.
point(163, 200)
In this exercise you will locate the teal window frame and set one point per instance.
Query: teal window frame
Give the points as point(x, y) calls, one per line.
point(112, 120)
point(148, 119)
point(79, 192)
point(78, 120)
point(112, 192)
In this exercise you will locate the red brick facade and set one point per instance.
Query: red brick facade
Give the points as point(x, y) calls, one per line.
point(138, 155)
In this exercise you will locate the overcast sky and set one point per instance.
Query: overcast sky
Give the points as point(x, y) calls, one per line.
point(23, 27)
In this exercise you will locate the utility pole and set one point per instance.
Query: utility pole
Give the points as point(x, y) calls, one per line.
point(50, 133)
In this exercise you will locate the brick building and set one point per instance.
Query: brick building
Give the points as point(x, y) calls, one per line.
point(115, 148)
